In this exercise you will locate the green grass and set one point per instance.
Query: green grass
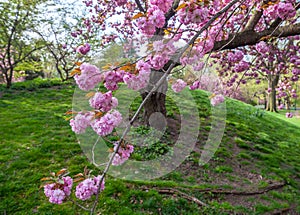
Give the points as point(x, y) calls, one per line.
point(295, 120)
point(36, 140)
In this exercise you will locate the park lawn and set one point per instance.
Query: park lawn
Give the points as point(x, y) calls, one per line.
point(255, 170)
point(295, 120)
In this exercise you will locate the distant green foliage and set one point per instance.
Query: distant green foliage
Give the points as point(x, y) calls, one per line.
point(35, 84)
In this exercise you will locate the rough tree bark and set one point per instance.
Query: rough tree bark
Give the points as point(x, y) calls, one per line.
point(157, 101)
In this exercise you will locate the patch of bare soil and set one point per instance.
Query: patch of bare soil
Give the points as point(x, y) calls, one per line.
point(242, 185)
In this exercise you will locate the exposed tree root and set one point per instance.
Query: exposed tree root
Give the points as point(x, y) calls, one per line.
point(243, 193)
point(171, 191)
point(281, 211)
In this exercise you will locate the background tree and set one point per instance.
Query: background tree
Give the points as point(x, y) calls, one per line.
point(17, 43)
point(272, 61)
point(59, 30)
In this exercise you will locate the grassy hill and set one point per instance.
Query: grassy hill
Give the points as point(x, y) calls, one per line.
point(256, 169)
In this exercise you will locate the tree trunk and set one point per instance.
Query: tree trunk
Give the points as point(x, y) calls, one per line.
point(8, 77)
point(288, 104)
point(271, 98)
point(157, 101)
point(59, 72)
point(265, 100)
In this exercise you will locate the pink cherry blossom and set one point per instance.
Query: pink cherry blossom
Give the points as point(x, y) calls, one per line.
point(122, 155)
point(103, 101)
point(289, 115)
point(90, 76)
point(140, 81)
point(105, 124)
point(178, 85)
point(262, 47)
point(215, 100)
point(156, 16)
point(81, 121)
point(281, 106)
point(242, 66)
point(146, 26)
point(120, 2)
point(84, 49)
point(112, 78)
point(57, 192)
point(285, 10)
point(163, 5)
point(89, 187)
point(158, 61)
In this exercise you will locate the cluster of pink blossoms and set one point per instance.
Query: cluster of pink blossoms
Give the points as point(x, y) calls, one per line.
point(84, 49)
point(281, 106)
point(241, 66)
point(155, 19)
point(235, 57)
point(215, 100)
point(120, 2)
point(103, 101)
point(112, 78)
point(140, 81)
point(163, 52)
point(285, 89)
point(163, 5)
point(178, 85)
point(57, 192)
point(81, 121)
point(90, 76)
point(262, 47)
point(193, 13)
point(289, 115)
point(282, 10)
point(89, 187)
point(102, 126)
point(122, 155)
point(105, 124)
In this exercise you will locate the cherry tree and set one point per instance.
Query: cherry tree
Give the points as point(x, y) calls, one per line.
point(273, 61)
point(206, 29)
point(241, 27)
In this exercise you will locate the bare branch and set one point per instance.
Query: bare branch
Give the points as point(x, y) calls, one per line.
point(138, 3)
point(253, 20)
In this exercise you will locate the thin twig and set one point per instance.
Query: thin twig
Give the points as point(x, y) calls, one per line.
point(138, 3)
point(79, 205)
